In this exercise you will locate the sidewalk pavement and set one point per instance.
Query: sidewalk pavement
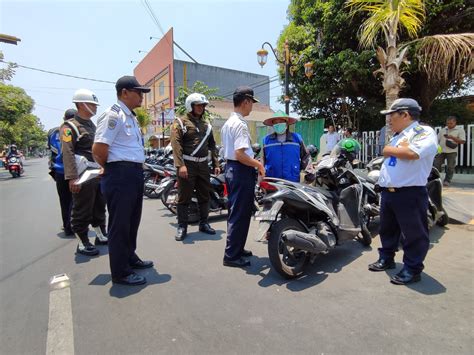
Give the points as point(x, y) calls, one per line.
point(458, 201)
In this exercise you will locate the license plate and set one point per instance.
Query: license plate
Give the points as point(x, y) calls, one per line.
point(269, 214)
point(171, 199)
point(263, 227)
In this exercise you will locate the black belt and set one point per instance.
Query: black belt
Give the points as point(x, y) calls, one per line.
point(398, 189)
point(129, 164)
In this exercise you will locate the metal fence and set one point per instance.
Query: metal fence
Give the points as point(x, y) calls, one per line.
point(370, 148)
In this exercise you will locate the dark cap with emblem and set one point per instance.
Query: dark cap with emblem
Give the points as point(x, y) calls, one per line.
point(403, 104)
point(129, 83)
point(246, 92)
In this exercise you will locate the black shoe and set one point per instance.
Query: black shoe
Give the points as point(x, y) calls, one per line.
point(405, 277)
point(246, 253)
point(130, 280)
point(142, 264)
point(68, 232)
point(236, 263)
point(382, 264)
point(86, 249)
point(181, 233)
point(206, 228)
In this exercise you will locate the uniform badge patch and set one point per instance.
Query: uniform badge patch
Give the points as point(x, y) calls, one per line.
point(67, 135)
point(112, 123)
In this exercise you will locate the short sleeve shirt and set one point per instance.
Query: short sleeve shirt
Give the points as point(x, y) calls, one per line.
point(118, 128)
point(457, 132)
point(398, 172)
point(331, 140)
point(235, 135)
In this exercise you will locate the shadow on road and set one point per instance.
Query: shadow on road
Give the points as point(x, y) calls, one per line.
point(436, 233)
point(324, 265)
point(427, 286)
point(196, 236)
point(121, 291)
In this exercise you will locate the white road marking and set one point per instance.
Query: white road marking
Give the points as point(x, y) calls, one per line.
point(60, 329)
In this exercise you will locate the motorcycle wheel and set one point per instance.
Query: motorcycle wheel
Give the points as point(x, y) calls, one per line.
point(15, 174)
point(365, 237)
point(173, 193)
point(288, 263)
point(149, 192)
point(443, 220)
point(165, 193)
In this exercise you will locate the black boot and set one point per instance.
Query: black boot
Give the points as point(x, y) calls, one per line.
point(181, 232)
point(182, 212)
point(85, 247)
point(203, 215)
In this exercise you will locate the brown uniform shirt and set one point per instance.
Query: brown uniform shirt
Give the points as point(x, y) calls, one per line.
point(72, 144)
point(186, 143)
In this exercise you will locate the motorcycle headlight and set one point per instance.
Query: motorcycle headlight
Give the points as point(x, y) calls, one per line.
point(12, 160)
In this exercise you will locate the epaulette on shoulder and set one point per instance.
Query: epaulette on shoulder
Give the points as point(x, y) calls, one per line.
point(418, 129)
point(115, 108)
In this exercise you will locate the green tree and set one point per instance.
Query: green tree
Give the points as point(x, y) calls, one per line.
point(201, 88)
point(343, 87)
point(14, 102)
point(17, 124)
point(6, 74)
point(143, 118)
point(444, 58)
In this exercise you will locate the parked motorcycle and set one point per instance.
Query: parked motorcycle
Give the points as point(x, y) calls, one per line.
point(14, 166)
point(436, 212)
point(305, 221)
point(217, 202)
point(152, 174)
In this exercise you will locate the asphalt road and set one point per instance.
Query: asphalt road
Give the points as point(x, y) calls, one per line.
point(194, 305)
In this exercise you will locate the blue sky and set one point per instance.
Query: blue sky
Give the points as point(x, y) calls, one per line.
point(98, 39)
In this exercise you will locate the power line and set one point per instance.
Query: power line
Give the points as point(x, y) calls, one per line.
point(51, 108)
point(60, 74)
point(255, 84)
point(155, 19)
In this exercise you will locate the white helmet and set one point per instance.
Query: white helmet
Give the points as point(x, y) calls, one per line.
point(195, 98)
point(84, 95)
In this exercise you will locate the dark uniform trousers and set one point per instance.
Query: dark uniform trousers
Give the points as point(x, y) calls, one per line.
point(199, 180)
point(405, 212)
point(65, 199)
point(122, 185)
point(88, 207)
point(240, 180)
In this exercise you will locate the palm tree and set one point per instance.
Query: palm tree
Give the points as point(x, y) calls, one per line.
point(443, 58)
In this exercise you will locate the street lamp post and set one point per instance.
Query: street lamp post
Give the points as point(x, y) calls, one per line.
point(262, 56)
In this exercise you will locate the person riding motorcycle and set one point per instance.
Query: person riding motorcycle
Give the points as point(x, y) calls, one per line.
point(13, 152)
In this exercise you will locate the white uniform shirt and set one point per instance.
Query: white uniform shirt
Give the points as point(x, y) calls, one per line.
point(457, 132)
point(331, 140)
point(235, 135)
point(118, 128)
point(398, 172)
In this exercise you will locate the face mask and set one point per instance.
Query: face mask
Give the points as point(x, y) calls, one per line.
point(279, 128)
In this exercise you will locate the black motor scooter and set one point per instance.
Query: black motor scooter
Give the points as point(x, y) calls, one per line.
point(305, 221)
